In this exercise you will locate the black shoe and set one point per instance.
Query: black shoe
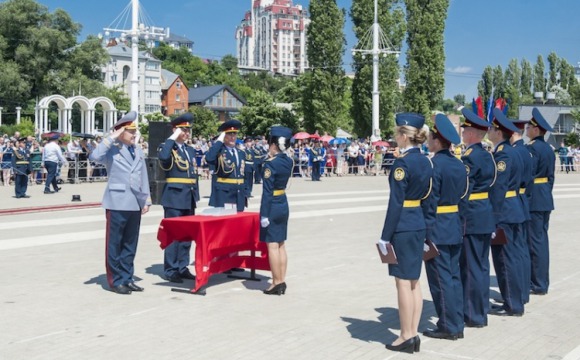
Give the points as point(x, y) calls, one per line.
point(134, 287)
point(504, 312)
point(279, 289)
point(58, 188)
point(25, 196)
point(496, 306)
point(186, 275)
point(437, 334)
point(121, 289)
point(538, 292)
point(48, 192)
point(237, 269)
point(407, 346)
point(474, 325)
point(175, 278)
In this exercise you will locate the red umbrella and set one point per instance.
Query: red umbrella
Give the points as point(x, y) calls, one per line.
point(326, 138)
point(315, 136)
point(381, 143)
point(301, 135)
point(51, 134)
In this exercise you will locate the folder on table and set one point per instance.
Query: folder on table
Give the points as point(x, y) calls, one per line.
point(390, 257)
point(500, 237)
point(432, 252)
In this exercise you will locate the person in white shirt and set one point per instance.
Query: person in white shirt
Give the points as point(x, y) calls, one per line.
point(51, 156)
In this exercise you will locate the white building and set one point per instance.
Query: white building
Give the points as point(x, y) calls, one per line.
point(118, 73)
point(272, 37)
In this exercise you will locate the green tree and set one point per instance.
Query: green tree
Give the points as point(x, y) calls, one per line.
point(539, 79)
point(206, 122)
point(229, 62)
point(554, 69)
point(513, 77)
point(526, 80)
point(259, 114)
point(459, 99)
point(391, 18)
point(425, 68)
point(324, 90)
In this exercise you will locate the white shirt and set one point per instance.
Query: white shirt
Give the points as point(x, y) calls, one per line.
point(52, 153)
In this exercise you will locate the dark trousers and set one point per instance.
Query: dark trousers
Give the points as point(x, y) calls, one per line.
point(538, 243)
point(176, 255)
point(249, 180)
point(526, 263)
point(474, 265)
point(444, 279)
point(316, 171)
point(257, 173)
point(51, 168)
point(508, 265)
point(122, 236)
point(20, 184)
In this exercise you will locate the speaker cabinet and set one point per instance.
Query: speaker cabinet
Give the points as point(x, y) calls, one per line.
point(154, 171)
point(158, 132)
point(156, 189)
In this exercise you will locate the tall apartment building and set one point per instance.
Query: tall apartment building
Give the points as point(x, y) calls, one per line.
point(272, 37)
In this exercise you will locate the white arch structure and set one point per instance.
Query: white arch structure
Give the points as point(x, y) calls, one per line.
point(65, 106)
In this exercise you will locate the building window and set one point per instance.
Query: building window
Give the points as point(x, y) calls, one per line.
point(178, 84)
point(152, 66)
point(177, 97)
point(114, 78)
point(149, 80)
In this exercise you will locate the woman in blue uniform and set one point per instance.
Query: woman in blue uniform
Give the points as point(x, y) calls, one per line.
point(274, 210)
point(405, 228)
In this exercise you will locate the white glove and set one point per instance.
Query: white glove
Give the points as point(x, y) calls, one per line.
point(175, 134)
point(222, 136)
point(493, 235)
point(264, 222)
point(425, 247)
point(383, 246)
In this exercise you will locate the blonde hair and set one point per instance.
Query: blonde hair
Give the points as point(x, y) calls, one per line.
point(415, 136)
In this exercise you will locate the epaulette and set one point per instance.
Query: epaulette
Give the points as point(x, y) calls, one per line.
point(500, 148)
point(531, 142)
point(403, 155)
point(468, 152)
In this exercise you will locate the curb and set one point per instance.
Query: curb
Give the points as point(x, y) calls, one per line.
point(34, 209)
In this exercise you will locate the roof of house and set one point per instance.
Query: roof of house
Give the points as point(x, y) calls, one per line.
point(178, 38)
point(168, 78)
point(202, 93)
point(122, 50)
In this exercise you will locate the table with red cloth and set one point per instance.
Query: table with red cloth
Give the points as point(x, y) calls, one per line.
point(221, 242)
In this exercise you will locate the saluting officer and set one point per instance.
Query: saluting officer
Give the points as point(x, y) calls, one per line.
point(541, 201)
point(274, 211)
point(477, 215)
point(249, 166)
point(22, 167)
point(125, 199)
point(509, 215)
point(228, 162)
point(527, 181)
point(181, 193)
point(316, 157)
point(445, 230)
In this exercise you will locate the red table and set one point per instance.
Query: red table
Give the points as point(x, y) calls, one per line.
point(221, 242)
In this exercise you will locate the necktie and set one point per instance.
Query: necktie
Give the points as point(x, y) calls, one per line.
point(131, 151)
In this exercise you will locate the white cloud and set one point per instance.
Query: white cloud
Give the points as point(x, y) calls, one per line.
point(459, 70)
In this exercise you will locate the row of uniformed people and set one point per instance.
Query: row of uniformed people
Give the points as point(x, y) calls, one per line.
point(459, 206)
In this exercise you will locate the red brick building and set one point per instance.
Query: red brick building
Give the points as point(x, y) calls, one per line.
point(174, 94)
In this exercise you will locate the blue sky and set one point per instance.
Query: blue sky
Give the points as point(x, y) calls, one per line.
point(478, 33)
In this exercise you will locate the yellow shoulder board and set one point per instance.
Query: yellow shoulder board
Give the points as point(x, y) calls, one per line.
point(500, 148)
point(468, 152)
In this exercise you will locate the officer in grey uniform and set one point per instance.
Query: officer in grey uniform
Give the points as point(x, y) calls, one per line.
point(126, 198)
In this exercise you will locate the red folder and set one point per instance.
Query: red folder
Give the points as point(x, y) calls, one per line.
point(432, 252)
point(500, 237)
point(391, 257)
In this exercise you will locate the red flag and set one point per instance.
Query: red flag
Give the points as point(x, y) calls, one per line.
point(479, 107)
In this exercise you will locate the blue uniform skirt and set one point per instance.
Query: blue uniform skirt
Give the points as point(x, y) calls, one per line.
point(277, 231)
point(408, 247)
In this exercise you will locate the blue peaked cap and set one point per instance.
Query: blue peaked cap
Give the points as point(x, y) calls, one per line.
point(281, 131)
point(472, 120)
point(410, 119)
point(540, 121)
point(444, 127)
point(502, 122)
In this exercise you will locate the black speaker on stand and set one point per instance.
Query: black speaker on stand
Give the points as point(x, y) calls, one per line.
point(158, 132)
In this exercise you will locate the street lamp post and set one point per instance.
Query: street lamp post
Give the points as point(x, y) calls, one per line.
point(137, 30)
point(381, 45)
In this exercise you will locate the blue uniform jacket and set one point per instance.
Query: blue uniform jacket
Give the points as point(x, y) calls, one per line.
point(527, 179)
point(507, 206)
point(228, 186)
point(21, 164)
point(176, 194)
point(475, 208)
point(277, 171)
point(544, 162)
point(259, 155)
point(128, 185)
point(409, 180)
point(444, 226)
point(316, 155)
point(249, 159)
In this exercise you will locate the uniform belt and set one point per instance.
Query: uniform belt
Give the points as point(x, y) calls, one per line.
point(249, 163)
point(447, 209)
point(510, 194)
point(181, 181)
point(479, 196)
point(411, 203)
point(279, 192)
point(22, 163)
point(230, 181)
point(540, 180)
point(522, 191)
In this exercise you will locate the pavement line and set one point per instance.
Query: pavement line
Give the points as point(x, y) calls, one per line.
point(41, 336)
point(55, 239)
point(573, 355)
point(143, 312)
point(447, 355)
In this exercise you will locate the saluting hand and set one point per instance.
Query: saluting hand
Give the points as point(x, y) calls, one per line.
point(117, 133)
point(176, 134)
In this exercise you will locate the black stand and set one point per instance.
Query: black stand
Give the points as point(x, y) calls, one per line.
point(252, 272)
